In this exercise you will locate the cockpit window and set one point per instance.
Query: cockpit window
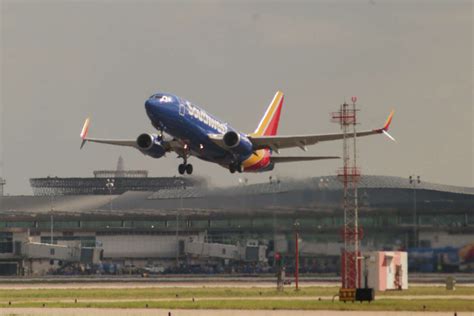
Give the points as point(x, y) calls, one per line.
point(162, 98)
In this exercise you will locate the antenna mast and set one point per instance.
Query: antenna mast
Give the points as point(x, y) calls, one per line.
point(349, 174)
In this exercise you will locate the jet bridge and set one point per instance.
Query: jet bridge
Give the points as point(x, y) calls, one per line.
point(64, 253)
point(251, 251)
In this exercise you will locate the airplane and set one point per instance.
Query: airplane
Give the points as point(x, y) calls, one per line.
point(188, 130)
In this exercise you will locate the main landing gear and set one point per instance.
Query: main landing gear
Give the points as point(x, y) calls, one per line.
point(185, 167)
point(235, 167)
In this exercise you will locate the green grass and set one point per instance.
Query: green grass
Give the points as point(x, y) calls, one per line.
point(225, 298)
point(431, 290)
point(155, 293)
point(144, 293)
point(385, 305)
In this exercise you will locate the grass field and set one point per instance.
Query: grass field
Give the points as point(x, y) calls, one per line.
point(414, 299)
point(157, 292)
point(392, 305)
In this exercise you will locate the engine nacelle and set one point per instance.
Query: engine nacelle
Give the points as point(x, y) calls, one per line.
point(151, 145)
point(237, 143)
point(231, 139)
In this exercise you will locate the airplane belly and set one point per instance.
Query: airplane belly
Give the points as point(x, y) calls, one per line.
point(195, 135)
point(197, 140)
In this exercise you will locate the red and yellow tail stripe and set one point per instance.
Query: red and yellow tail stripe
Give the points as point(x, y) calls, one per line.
point(269, 123)
point(268, 126)
point(257, 161)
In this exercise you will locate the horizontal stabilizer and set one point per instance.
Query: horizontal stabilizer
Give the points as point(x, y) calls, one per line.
point(278, 159)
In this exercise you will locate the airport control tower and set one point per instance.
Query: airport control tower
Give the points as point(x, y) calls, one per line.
point(2, 184)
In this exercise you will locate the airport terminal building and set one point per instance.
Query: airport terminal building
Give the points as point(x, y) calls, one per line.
point(188, 226)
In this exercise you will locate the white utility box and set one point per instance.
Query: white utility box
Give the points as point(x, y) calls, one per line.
point(385, 270)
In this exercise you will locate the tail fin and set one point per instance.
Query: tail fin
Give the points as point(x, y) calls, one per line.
point(269, 123)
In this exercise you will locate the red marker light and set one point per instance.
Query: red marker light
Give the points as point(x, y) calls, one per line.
point(354, 99)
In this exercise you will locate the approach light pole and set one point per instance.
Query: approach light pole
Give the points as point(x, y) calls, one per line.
point(110, 186)
point(414, 180)
point(275, 189)
point(243, 183)
point(51, 217)
point(183, 185)
point(51, 214)
point(296, 227)
point(323, 186)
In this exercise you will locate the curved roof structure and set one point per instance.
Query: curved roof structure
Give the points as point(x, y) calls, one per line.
point(315, 194)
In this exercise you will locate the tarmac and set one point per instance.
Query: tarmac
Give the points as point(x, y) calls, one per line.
point(204, 312)
point(174, 284)
point(320, 279)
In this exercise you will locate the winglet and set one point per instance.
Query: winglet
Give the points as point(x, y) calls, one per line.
point(84, 131)
point(388, 121)
point(384, 129)
point(388, 135)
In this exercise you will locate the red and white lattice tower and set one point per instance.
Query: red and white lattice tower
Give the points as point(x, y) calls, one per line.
point(349, 174)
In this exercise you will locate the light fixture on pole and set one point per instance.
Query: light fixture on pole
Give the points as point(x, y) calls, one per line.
point(296, 227)
point(52, 221)
point(415, 180)
point(183, 185)
point(110, 186)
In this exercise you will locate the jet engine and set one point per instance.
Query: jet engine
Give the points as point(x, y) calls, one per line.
point(231, 139)
point(237, 143)
point(151, 145)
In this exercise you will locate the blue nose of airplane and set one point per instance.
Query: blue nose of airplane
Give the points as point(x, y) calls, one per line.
point(152, 109)
point(149, 104)
point(159, 106)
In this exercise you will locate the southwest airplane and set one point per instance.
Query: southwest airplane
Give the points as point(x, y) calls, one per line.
point(188, 130)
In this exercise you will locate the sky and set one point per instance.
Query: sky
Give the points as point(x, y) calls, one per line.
point(63, 61)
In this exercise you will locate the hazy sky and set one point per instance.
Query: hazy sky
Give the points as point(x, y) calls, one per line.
point(62, 61)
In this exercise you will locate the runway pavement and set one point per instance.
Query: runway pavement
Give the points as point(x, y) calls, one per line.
point(179, 312)
point(174, 284)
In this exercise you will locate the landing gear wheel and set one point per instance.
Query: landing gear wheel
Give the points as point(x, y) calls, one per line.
point(189, 168)
point(233, 167)
point(182, 168)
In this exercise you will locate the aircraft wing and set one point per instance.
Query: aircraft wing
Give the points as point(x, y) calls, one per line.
point(278, 159)
point(117, 142)
point(169, 144)
point(277, 142)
